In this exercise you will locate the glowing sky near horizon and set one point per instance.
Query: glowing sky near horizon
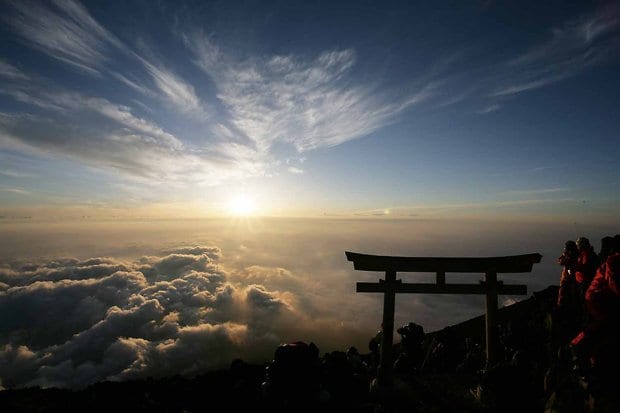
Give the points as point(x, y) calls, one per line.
point(310, 108)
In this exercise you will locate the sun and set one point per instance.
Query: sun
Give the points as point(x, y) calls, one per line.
point(241, 205)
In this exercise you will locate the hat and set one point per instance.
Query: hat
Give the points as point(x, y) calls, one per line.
point(583, 242)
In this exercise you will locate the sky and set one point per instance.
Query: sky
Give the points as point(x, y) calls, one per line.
point(309, 108)
point(179, 181)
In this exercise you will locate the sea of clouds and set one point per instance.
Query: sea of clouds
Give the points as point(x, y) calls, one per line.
point(70, 322)
point(135, 301)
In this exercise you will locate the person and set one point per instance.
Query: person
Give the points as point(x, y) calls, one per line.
point(294, 374)
point(374, 345)
point(569, 313)
point(412, 336)
point(606, 246)
point(355, 360)
point(602, 302)
point(587, 263)
point(568, 287)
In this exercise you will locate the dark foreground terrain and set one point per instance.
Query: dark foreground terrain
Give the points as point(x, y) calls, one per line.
point(442, 371)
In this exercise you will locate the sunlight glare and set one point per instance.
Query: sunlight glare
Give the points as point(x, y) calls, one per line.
point(241, 205)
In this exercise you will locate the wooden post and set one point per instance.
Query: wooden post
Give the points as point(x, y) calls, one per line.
point(491, 317)
point(440, 278)
point(389, 298)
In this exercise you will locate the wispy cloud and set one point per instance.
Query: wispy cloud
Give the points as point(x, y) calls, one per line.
point(175, 90)
point(140, 88)
point(18, 191)
point(122, 115)
point(24, 96)
point(262, 105)
point(543, 168)
point(577, 45)
point(521, 192)
point(11, 72)
point(64, 30)
point(307, 103)
point(64, 101)
point(14, 174)
point(141, 152)
point(431, 209)
point(295, 170)
point(489, 109)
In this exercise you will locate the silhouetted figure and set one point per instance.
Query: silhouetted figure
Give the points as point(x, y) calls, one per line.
point(374, 345)
point(244, 386)
point(568, 260)
point(344, 387)
point(293, 377)
point(564, 391)
point(474, 358)
point(505, 387)
point(606, 247)
point(568, 316)
point(412, 337)
point(444, 353)
point(355, 360)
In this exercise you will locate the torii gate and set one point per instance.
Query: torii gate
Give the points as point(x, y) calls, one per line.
point(491, 287)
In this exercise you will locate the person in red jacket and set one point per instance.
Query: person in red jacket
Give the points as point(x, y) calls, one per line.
point(602, 302)
point(587, 263)
point(603, 296)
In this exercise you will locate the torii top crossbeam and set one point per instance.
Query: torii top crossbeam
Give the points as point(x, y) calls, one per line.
point(509, 264)
point(491, 287)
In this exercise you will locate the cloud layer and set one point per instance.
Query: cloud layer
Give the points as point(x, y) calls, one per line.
point(155, 298)
point(71, 322)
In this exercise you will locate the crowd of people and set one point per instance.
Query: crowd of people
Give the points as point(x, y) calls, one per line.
point(588, 306)
point(556, 355)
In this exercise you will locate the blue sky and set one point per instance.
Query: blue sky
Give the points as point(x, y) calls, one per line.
point(311, 108)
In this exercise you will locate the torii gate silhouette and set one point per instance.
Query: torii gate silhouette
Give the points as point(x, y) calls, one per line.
point(491, 287)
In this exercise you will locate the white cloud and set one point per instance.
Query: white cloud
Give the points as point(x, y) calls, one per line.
point(295, 170)
point(145, 153)
point(528, 192)
point(308, 103)
point(11, 72)
point(161, 315)
point(18, 191)
point(64, 30)
point(123, 115)
point(489, 109)
point(174, 89)
point(133, 85)
point(14, 174)
point(574, 47)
